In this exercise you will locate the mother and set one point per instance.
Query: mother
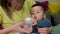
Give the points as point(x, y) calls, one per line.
point(12, 13)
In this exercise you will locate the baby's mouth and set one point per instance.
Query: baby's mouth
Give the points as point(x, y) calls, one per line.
point(35, 17)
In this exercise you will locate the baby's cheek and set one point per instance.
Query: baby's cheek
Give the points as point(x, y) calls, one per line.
point(39, 18)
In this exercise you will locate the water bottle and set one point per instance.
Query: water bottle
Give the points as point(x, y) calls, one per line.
point(17, 33)
point(28, 23)
point(27, 26)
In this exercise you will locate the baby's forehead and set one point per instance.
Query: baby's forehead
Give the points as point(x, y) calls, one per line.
point(37, 7)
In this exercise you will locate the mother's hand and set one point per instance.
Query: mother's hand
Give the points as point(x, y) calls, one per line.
point(16, 28)
point(19, 27)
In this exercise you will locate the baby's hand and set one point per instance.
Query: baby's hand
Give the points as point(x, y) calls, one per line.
point(34, 22)
point(43, 30)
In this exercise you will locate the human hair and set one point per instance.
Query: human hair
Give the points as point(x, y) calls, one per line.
point(39, 5)
point(5, 5)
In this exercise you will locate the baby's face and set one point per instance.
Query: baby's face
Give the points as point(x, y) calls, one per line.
point(37, 12)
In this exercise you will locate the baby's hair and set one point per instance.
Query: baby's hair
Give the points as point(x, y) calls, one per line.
point(39, 5)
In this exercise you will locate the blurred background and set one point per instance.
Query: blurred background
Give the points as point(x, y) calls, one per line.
point(53, 13)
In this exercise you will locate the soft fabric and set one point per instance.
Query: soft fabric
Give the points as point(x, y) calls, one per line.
point(1, 27)
point(35, 29)
point(56, 29)
point(54, 7)
point(44, 23)
point(56, 19)
point(17, 16)
point(44, 4)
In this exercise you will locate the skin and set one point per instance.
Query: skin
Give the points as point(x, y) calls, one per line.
point(16, 27)
point(17, 4)
point(38, 14)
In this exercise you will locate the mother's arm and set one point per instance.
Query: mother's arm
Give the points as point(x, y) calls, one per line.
point(15, 27)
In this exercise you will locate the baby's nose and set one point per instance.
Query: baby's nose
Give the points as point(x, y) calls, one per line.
point(35, 17)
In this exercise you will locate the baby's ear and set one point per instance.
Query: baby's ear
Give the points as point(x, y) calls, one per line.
point(44, 15)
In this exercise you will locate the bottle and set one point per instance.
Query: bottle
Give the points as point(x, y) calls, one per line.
point(28, 22)
point(27, 26)
point(17, 33)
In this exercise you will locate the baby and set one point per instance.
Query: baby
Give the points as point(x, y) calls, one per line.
point(41, 25)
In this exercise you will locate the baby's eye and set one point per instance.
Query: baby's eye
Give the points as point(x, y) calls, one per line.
point(38, 12)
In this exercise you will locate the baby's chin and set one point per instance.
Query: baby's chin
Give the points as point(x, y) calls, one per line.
point(39, 19)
